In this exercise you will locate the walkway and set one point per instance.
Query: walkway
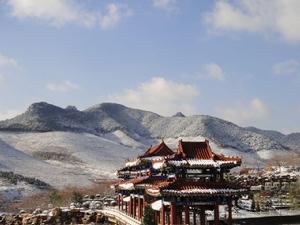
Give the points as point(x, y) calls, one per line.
point(120, 217)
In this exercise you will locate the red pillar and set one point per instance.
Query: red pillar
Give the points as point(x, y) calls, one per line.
point(122, 203)
point(139, 207)
point(130, 206)
point(134, 207)
point(229, 221)
point(162, 215)
point(119, 201)
point(202, 216)
point(186, 215)
point(126, 207)
point(173, 214)
point(179, 213)
point(217, 215)
point(142, 206)
point(194, 217)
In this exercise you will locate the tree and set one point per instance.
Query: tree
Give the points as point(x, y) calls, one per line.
point(148, 216)
point(294, 195)
point(76, 197)
point(55, 197)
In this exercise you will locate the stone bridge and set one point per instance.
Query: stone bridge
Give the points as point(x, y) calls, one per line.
point(117, 217)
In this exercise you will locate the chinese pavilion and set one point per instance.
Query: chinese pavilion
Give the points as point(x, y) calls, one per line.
point(180, 186)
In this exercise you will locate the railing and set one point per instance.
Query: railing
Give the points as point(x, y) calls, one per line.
point(120, 216)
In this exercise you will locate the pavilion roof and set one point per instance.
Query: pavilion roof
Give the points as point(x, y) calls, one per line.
point(201, 151)
point(140, 182)
point(160, 149)
point(189, 187)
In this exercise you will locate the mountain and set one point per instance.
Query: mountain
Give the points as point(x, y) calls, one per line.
point(66, 146)
point(143, 125)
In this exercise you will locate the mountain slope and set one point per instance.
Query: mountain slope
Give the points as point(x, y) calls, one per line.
point(141, 126)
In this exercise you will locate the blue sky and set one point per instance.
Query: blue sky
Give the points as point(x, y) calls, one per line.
point(238, 60)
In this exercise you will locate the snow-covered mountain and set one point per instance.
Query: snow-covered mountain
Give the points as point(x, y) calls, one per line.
point(143, 125)
point(66, 146)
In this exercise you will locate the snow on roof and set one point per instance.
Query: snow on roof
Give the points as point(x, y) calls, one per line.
point(204, 191)
point(201, 162)
point(158, 204)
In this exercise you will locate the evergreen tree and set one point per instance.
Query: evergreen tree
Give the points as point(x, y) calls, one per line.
point(76, 197)
point(148, 216)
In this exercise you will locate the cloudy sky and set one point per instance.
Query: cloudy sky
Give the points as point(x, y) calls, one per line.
point(238, 60)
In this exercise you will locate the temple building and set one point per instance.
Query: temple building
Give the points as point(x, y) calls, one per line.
point(180, 186)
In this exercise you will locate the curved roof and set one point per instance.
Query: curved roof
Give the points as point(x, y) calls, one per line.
point(184, 187)
point(158, 150)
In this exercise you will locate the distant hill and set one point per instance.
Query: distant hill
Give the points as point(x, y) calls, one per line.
point(141, 125)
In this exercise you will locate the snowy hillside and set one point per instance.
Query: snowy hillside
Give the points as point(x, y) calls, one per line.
point(139, 126)
point(61, 158)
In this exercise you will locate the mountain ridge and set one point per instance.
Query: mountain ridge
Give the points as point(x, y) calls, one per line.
point(139, 124)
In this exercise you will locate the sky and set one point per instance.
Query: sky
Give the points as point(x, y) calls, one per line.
point(238, 60)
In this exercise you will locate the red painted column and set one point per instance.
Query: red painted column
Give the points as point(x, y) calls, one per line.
point(202, 216)
point(186, 215)
point(142, 206)
point(130, 206)
point(139, 207)
point(119, 201)
point(126, 207)
point(217, 215)
point(122, 203)
point(173, 214)
point(229, 221)
point(179, 213)
point(134, 207)
point(194, 217)
point(162, 215)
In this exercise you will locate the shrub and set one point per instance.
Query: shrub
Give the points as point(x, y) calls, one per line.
point(148, 216)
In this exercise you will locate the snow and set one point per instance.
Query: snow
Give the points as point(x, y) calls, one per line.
point(98, 157)
point(158, 204)
point(205, 191)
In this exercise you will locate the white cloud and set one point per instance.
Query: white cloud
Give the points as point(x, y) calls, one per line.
point(61, 12)
point(162, 96)
point(8, 114)
point(244, 113)
point(113, 16)
point(212, 71)
point(164, 4)
point(6, 61)
point(288, 67)
point(64, 86)
point(276, 16)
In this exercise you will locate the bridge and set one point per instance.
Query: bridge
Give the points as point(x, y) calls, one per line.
point(117, 217)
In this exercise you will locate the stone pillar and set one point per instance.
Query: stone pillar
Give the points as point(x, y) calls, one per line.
point(217, 215)
point(173, 214)
point(186, 215)
point(134, 207)
point(229, 220)
point(202, 216)
point(162, 215)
